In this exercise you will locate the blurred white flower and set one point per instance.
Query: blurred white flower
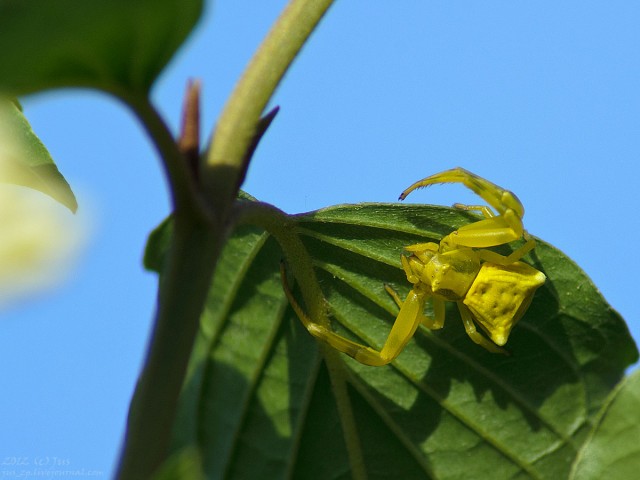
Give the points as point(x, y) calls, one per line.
point(39, 239)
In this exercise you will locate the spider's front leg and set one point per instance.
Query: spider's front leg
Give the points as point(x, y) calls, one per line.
point(432, 323)
point(496, 196)
point(403, 329)
point(493, 229)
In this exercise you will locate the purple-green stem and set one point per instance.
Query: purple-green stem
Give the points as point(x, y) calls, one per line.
point(200, 229)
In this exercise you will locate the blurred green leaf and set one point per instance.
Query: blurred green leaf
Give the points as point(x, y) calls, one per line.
point(258, 399)
point(613, 449)
point(114, 45)
point(182, 465)
point(25, 161)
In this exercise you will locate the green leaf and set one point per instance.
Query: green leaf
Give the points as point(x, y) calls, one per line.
point(25, 161)
point(114, 45)
point(260, 399)
point(184, 464)
point(612, 450)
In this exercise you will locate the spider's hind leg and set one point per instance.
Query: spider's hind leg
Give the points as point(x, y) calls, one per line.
point(472, 332)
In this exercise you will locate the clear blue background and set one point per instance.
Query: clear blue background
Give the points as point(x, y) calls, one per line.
point(539, 97)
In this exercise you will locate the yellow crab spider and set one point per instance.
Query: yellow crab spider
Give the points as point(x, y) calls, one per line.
point(490, 289)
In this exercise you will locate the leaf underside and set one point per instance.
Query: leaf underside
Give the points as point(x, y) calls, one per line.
point(114, 45)
point(258, 399)
point(118, 46)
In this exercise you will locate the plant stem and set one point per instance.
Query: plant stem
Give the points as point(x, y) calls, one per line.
point(183, 290)
point(283, 229)
point(237, 124)
point(189, 266)
point(184, 192)
point(199, 232)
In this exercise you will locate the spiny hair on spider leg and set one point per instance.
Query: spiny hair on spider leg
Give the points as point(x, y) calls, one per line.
point(403, 195)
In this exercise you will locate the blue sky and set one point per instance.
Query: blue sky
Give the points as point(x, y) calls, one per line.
point(540, 97)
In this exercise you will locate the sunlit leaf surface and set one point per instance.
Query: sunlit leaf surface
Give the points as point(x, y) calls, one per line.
point(25, 161)
point(258, 401)
point(613, 450)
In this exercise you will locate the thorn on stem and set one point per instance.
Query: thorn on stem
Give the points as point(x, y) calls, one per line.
point(261, 128)
point(189, 140)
